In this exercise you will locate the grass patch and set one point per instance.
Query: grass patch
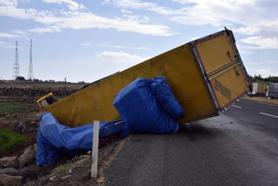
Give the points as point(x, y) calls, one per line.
point(9, 139)
point(62, 169)
point(8, 107)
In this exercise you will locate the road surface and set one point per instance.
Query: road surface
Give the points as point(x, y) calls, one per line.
point(239, 147)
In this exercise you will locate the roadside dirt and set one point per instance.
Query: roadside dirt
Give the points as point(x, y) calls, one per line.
point(25, 94)
point(74, 171)
point(77, 171)
point(262, 99)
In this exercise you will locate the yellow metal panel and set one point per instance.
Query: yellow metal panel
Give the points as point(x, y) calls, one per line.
point(223, 68)
point(186, 81)
point(229, 86)
point(178, 66)
point(93, 102)
point(215, 51)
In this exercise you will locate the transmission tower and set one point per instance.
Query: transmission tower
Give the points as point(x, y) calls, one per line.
point(30, 72)
point(16, 63)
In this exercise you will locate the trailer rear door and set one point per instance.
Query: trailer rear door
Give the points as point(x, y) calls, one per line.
point(223, 67)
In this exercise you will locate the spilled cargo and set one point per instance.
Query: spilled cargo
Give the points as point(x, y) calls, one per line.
point(55, 140)
point(145, 106)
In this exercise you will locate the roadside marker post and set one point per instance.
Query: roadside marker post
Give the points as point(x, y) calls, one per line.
point(95, 149)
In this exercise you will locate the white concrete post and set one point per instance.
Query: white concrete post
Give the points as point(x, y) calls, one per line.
point(95, 149)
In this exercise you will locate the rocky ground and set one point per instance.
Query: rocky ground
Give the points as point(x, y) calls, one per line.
point(21, 169)
point(17, 165)
point(20, 113)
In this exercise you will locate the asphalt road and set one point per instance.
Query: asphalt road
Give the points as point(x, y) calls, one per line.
point(239, 147)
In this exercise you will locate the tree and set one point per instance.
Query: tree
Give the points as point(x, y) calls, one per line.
point(20, 78)
point(256, 78)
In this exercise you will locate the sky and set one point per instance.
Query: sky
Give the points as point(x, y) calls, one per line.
point(89, 39)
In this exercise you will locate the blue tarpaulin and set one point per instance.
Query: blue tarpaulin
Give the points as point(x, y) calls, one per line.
point(55, 139)
point(148, 106)
point(145, 106)
point(166, 98)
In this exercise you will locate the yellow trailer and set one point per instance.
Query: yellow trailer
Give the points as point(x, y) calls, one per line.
point(206, 75)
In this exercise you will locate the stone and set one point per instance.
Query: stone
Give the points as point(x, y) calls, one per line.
point(30, 171)
point(10, 171)
point(8, 180)
point(65, 177)
point(52, 178)
point(101, 180)
point(19, 126)
point(82, 161)
point(27, 157)
point(9, 161)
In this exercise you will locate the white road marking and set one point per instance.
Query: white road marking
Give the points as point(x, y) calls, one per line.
point(237, 106)
point(270, 115)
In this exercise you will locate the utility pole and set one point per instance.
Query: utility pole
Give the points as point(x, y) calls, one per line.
point(30, 72)
point(16, 63)
point(65, 83)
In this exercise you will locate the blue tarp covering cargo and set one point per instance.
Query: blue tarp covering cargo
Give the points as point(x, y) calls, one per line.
point(55, 139)
point(145, 106)
point(148, 106)
point(166, 98)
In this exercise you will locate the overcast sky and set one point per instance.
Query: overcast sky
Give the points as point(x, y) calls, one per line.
point(90, 39)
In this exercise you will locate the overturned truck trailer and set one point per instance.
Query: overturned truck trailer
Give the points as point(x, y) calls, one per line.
point(206, 75)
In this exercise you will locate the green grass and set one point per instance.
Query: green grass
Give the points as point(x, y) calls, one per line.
point(62, 169)
point(8, 107)
point(9, 139)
